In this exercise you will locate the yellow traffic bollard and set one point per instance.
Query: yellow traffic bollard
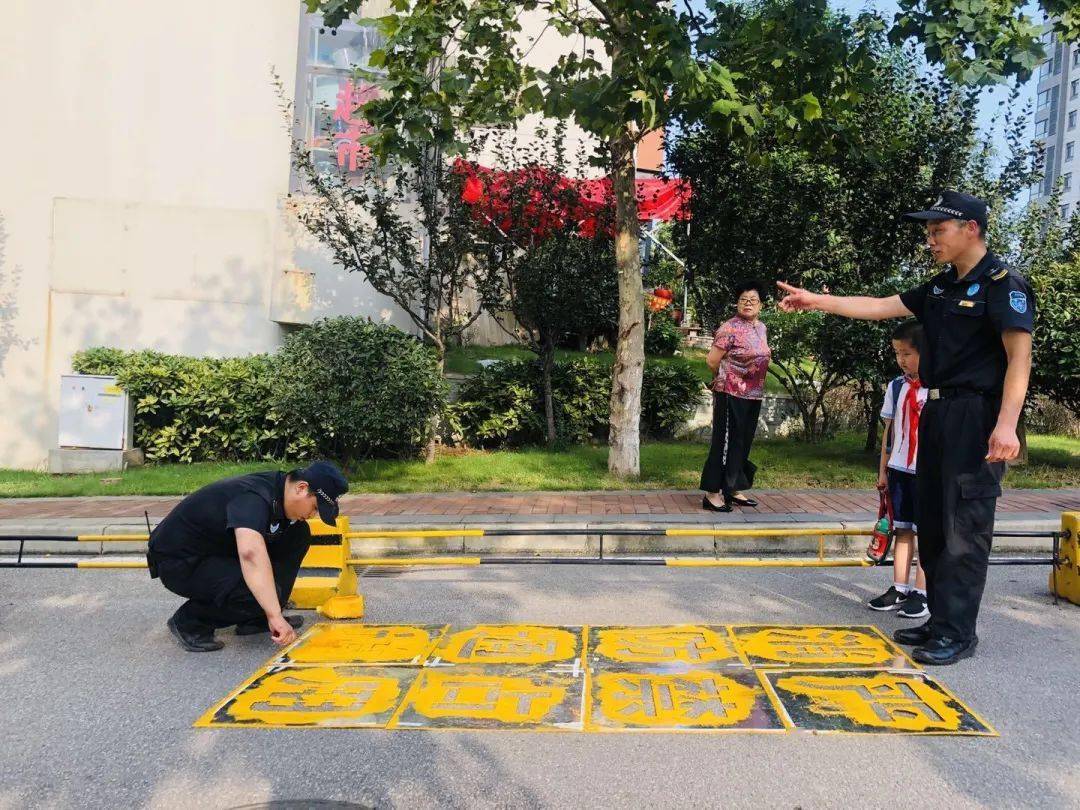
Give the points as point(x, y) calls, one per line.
point(325, 571)
point(1065, 577)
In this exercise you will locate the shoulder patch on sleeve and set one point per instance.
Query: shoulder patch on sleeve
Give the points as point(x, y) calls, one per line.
point(1018, 301)
point(999, 274)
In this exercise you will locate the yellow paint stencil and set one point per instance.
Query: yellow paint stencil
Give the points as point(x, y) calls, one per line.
point(816, 647)
point(690, 700)
point(364, 644)
point(510, 644)
point(906, 702)
point(683, 644)
point(314, 696)
point(492, 697)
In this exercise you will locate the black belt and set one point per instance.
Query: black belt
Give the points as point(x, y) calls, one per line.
point(952, 392)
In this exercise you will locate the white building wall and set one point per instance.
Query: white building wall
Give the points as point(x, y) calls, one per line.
point(146, 164)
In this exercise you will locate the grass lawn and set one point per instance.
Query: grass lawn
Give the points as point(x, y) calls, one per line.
point(466, 360)
point(787, 463)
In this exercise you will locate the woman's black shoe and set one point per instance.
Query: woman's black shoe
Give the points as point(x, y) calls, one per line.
point(709, 506)
point(741, 500)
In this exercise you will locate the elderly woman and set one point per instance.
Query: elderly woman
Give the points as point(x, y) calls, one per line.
point(739, 357)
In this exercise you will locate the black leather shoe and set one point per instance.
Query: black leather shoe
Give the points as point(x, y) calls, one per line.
point(259, 625)
point(194, 640)
point(913, 635)
point(709, 506)
point(742, 500)
point(942, 651)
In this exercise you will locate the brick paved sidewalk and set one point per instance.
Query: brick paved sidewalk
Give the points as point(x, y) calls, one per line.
point(612, 505)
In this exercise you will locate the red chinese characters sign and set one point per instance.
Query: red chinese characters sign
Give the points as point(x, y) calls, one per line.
point(348, 127)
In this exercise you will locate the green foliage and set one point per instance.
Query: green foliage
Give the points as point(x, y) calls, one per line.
point(359, 389)
point(1056, 368)
point(502, 406)
point(670, 394)
point(344, 388)
point(1046, 249)
point(832, 219)
point(663, 336)
point(200, 409)
point(543, 278)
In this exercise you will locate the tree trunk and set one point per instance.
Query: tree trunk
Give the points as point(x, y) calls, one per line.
point(624, 440)
point(871, 442)
point(872, 410)
point(547, 364)
point(429, 448)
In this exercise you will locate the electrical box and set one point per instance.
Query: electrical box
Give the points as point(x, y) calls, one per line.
point(95, 413)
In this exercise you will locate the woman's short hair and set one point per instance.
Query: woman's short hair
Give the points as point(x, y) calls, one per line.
point(746, 285)
point(909, 331)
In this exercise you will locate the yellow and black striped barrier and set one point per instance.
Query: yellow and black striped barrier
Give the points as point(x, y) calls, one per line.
point(327, 570)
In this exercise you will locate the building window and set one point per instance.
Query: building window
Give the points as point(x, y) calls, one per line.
point(1067, 181)
point(1049, 176)
point(1074, 88)
point(1076, 57)
point(1065, 211)
point(1044, 99)
point(1070, 149)
point(1072, 120)
point(328, 94)
point(1040, 128)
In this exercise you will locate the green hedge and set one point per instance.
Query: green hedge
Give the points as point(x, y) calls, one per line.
point(362, 390)
point(502, 406)
point(343, 388)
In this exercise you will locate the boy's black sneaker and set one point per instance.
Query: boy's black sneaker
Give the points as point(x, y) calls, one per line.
point(890, 600)
point(914, 606)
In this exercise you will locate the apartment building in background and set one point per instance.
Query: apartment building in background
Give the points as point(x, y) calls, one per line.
point(1057, 122)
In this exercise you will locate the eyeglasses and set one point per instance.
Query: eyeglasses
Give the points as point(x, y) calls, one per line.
point(749, 300)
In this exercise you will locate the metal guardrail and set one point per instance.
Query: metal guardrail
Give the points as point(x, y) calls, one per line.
point(821, 561)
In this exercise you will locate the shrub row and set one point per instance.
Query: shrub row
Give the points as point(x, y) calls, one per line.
point(502, 406)
point(346, 388)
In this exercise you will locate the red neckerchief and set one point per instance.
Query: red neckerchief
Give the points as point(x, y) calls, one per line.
point(911, 428)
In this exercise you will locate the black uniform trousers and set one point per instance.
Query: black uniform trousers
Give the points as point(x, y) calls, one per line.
point(728, 467)
point(957, 495)
point(215, 588)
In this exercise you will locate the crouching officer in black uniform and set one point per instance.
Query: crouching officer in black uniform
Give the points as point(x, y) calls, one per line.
point(977, 316)
point(234, 547)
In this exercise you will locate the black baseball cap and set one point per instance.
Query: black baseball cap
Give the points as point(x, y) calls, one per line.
point(326, 481)
point(954, 205)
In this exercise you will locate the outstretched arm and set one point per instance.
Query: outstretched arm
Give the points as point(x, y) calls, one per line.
point(854, 306)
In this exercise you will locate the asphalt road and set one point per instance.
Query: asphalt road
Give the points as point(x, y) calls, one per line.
point(98, 703)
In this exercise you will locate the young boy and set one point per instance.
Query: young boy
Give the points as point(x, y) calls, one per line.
point(904, 399)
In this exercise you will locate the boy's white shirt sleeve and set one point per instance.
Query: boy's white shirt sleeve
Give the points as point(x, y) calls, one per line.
point(887, 404)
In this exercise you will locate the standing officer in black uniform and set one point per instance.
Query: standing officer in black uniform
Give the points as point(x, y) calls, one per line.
point(234, 547)
point(977, 316)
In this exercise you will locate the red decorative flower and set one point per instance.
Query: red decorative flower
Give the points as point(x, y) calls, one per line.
point(473, 191)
